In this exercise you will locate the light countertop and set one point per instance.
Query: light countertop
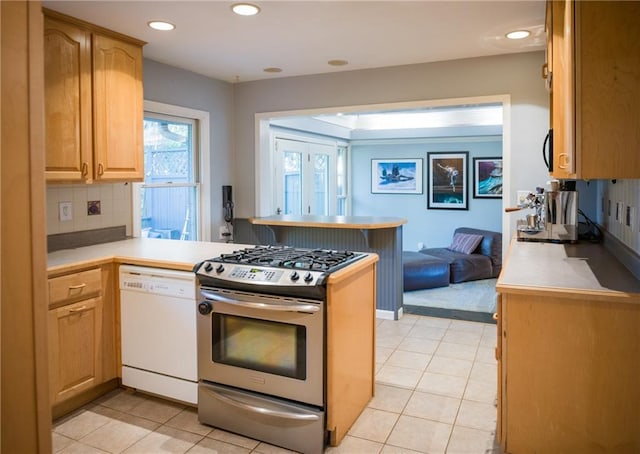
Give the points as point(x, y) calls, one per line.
point(174, 254)
point(584, 269)
point(160, 253)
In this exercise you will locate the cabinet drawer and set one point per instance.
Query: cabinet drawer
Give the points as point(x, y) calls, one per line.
point(76, 286)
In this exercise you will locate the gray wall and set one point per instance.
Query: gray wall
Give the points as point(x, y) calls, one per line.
point(166, 84)
point(517, 75)
point(432, 227)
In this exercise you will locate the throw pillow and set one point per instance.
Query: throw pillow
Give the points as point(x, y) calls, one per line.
point(465, 243)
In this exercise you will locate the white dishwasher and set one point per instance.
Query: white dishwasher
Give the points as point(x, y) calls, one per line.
point(158, 332)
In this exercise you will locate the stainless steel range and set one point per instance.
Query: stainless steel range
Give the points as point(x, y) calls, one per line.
point(261, 343)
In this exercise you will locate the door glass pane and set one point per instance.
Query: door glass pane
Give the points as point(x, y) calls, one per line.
point(341, 180)
point(321, 184)
point(292, 183)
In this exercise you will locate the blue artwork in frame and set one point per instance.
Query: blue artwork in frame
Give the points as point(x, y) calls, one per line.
point(396, 176)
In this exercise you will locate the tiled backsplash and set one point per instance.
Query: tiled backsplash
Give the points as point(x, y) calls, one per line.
point(621, 206)
point(115, 206)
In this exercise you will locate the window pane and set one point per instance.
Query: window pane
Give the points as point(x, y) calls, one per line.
point(169, 212)
point(168, 151)
point(169, 194)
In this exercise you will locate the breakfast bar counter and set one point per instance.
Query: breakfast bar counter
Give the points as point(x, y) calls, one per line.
point(340, 222)
point(375, 234)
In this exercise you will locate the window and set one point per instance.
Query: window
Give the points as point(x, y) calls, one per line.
point(308, 177)
point(168, 204)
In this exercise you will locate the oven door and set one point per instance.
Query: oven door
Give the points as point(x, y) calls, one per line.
point(268, 344)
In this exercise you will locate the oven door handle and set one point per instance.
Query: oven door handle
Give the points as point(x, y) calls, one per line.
point(291, 415)
point(290, 307)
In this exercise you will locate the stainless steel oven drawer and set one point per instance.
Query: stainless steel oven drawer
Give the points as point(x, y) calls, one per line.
point(275, 421)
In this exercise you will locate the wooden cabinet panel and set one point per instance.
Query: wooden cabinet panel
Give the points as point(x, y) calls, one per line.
point(118, 109)
point(93, 102)
point(67, 101)
point(350, 350)
point(83, 339)
point(595, 100)
point(74, 287)
point(568, 375)
point(608, 89)
point(75, 356)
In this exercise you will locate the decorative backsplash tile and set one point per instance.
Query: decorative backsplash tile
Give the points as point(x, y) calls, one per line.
point(115, 207)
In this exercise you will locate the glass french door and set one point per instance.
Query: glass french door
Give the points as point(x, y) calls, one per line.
point(306, 178)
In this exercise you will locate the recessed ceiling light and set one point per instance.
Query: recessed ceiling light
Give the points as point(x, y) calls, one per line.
point(245, 9)
point(518, 34)
point(272, 69)
point(338, 62)
point(161, 25)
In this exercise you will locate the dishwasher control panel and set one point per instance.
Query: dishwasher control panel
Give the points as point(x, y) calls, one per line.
point(181, 284)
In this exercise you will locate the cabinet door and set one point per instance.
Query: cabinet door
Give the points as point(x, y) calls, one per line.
point(563, 90)
point(608, 84)
point(118, 110)
point(75, 359)
point(67, 59)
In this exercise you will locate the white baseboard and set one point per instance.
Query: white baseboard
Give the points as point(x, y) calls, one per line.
point(388, 315)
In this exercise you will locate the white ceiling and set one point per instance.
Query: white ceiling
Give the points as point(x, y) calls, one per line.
point(301, 36)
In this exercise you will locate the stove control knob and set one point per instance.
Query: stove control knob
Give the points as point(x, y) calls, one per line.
point(204, 308)
point(294, 276)
point(308, 277)
point(219, 269)
point(208, 267)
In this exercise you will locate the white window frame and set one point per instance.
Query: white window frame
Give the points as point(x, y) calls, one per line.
point(204, 166)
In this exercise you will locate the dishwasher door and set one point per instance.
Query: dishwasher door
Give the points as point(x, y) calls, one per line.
point(158, 331)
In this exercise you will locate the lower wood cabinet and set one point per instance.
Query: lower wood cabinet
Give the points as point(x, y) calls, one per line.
point(75, 348)
point(82, 337)
point(568, 370)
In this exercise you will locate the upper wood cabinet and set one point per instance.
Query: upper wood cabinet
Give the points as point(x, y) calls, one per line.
point(93, 102)
point(594, 68)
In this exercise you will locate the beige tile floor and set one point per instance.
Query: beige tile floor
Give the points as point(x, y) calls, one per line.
point(435, 393)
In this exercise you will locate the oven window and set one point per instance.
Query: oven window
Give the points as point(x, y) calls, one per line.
point(261, 345)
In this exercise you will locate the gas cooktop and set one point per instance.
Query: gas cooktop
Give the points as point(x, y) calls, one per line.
point(274, 269)
point(290, 257)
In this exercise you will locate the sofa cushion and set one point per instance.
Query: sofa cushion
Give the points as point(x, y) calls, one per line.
point(465, 243)
point(463, 267)
point(422, 271)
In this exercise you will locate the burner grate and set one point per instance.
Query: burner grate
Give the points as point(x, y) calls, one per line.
point(289, 257)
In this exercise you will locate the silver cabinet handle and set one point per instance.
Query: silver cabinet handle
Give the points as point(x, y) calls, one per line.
point(263, 410)
point(292, 307)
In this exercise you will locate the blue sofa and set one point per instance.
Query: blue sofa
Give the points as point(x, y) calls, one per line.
point(429, 267)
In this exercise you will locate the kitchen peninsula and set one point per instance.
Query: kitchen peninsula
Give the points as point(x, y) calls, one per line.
point(378, 234)
point(568, 349)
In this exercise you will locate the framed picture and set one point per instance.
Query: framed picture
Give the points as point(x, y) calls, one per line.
point(447, 181)
point(396, 176)
point(487, 178)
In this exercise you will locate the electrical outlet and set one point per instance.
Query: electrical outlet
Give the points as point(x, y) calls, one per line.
point(93, 208)
point(225, 233)
point(65, 211)
point(629, 216)
point(620, 212)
